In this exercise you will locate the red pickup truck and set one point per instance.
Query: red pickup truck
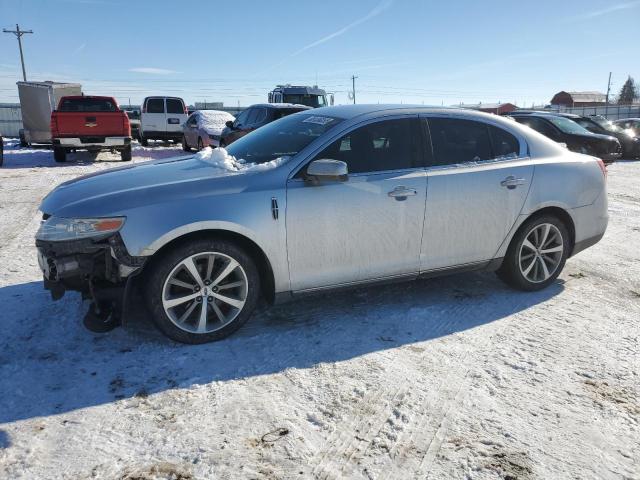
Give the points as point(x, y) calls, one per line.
point(90, 123)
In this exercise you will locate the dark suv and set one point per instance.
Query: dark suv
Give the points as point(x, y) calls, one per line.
point(255, 117)
point(575, 137)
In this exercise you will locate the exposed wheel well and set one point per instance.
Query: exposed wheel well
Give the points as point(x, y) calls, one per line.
point(564, 218)
point(256, 253)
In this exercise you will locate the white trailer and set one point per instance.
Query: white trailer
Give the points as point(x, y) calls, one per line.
point(37, 101)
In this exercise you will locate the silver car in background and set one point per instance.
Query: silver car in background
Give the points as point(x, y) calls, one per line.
point(335, 197)
point(203, 128)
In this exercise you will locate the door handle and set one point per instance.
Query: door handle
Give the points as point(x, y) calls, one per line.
point(402, 191)
point(512, 182)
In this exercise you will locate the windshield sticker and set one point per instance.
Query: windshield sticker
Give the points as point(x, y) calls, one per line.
point(318, 120)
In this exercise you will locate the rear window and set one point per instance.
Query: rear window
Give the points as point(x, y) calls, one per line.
point(87, 105)
point(459, 141)
point(285, 111)
point(175, 105)
point(155, 105)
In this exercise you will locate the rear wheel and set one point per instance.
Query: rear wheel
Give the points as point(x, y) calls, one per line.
point(23, 140)
point(537, 254)
point(143, 141)
point(202, 291)
point(125, 155)
point(200, 145)
point(185, 145)
point(59, 154)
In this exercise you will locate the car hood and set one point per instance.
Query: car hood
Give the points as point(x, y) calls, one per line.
point(114, 192)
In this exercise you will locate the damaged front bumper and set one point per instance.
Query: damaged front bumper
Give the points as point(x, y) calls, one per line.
point(99, 268)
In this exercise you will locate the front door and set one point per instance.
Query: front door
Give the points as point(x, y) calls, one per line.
point(479, 179)
point(369, 226)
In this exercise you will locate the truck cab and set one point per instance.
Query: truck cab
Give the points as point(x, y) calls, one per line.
point(301, 95)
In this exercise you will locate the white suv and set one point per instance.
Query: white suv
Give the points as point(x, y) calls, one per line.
point(161, 118)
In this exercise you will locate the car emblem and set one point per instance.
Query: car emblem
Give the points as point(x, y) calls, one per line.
point(91, 124)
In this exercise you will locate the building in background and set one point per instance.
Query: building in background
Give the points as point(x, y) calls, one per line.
point(497, 108)
point(579, 99)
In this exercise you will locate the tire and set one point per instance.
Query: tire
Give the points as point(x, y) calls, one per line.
point(143, 141)
point(200, 144)
point(182, 321)
point(523, 267)
point(23, 140)
point(125, 155)
point(59, 154)
point(185, 145)
point(221, 144)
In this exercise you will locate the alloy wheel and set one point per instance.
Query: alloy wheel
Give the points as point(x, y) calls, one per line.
point(541, 252)
point(205, 292)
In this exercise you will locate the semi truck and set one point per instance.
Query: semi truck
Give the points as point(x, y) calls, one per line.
point(37, 101)
point(302, 95)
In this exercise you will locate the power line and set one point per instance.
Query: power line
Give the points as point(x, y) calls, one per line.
point(19, 33)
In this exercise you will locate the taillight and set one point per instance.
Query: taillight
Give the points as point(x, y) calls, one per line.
point(186, 112)
point(603, 167)
point(53, 125)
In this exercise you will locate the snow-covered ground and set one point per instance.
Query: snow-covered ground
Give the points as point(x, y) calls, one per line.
point(457, 377)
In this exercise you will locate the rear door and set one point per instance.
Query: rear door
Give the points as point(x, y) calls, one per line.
point(176, 115)
point(478, 179)
point(153, 116)
point(191, 130)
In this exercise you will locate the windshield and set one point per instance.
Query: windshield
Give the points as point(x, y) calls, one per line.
point(308, 100)
point(284, 137)
point(214, 119)
point(568, 126)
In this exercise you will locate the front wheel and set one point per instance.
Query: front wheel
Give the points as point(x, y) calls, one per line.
point(200, 145)
point(202, 291)
point(185, 145)
point(537, 254)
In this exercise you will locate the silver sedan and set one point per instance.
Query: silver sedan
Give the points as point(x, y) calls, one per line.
point(203, 128)
point(324, 199)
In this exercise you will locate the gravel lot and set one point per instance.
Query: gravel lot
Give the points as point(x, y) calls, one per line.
point(457, 377)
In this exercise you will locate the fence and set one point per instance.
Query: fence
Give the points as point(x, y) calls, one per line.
point(611, 112)
point(10, 119)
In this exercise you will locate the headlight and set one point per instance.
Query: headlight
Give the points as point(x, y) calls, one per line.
point(57, 229)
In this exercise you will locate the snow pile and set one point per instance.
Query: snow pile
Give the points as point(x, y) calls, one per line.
point(220, 158)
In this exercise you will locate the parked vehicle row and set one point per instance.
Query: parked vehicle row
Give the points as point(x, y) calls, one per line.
point(361, 193)
point(576, 138)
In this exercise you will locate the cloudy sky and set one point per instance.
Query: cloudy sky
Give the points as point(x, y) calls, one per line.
point(410, 51)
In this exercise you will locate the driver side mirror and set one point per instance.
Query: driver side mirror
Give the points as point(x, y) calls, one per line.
point(229, 124)
point(327, 169)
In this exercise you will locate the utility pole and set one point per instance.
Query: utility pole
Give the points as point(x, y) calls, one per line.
point(18, 33)
point(353, 82)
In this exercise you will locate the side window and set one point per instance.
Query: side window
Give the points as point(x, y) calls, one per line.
point(504, 144)
point(540, 126)
point(458, 141)
point(193, 120)
point(175, 105)
point(386, 145)
point(155, 105)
